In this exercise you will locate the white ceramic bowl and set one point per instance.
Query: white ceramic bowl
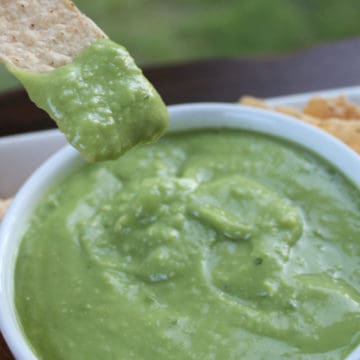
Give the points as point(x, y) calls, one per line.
point(189, 116)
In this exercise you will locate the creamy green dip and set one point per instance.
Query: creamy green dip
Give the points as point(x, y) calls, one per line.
point(215, 244)
point(101, 101)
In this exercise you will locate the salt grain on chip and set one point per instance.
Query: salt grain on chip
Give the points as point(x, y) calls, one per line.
point(40, 35)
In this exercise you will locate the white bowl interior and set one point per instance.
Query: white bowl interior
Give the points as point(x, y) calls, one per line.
point(183, 117)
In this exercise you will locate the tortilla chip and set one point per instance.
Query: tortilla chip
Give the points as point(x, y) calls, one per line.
point(344, 127)
point(348, 131)
point(286, 110)
point(339, 108)
point(4, 204)
point(255, 102)
point(40, 35)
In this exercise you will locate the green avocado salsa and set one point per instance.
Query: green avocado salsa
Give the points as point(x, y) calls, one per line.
point(101, 101)
point(214, 244)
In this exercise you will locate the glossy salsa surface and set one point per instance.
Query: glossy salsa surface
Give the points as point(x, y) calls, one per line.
point(101, 101)
point(211, 244)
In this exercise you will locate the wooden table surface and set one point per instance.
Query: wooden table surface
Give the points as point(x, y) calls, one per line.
point(322, 67)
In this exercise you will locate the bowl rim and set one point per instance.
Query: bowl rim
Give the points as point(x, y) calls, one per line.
point(183, 117)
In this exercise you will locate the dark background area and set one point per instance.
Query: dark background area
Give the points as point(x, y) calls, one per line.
point(168, 31)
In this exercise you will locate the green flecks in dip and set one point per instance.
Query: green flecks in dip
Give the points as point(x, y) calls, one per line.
point(101, 101)
point(208, 245)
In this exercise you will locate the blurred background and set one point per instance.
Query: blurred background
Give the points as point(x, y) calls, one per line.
point(164, 31)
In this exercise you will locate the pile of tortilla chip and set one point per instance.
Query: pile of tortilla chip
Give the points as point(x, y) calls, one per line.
point(338, 116)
